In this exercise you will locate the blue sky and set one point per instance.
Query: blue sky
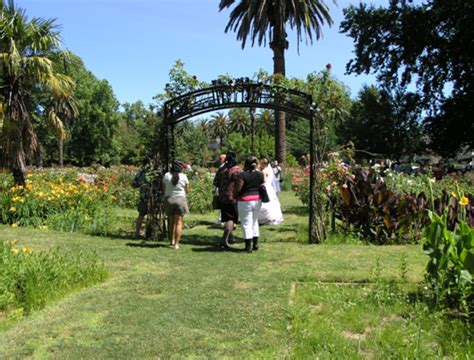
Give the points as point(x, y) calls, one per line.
point(134, 43)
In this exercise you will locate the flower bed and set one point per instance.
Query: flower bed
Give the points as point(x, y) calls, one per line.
point(57, 200)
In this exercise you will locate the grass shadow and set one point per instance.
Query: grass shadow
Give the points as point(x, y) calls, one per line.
point(199, 240)
point(147, 244)
point(217, 248)
point(121, 236)
point(297, 210)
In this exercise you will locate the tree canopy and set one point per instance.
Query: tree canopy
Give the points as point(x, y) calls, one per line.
point(427, 46)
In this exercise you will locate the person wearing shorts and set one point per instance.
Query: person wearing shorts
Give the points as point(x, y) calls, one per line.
point(176, 185)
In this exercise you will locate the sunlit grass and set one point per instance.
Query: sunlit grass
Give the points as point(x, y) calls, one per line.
point(201, 302)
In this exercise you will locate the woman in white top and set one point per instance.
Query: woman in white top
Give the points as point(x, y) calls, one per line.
point(176, 185)
point(270, 212)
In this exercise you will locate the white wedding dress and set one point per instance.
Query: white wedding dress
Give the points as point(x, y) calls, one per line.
point(270, 213)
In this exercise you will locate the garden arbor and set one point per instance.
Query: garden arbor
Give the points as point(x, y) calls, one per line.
point(233, 94)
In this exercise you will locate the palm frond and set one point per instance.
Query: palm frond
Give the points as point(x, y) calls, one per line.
point(260, 20)
point(57, 124)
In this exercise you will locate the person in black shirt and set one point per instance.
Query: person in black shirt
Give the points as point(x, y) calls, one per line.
point(249, 202)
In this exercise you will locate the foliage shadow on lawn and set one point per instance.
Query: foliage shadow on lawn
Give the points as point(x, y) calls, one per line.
point(195, 239)
point(147, 244)
point(121, 236)
point(217, 248)
point(296, 210)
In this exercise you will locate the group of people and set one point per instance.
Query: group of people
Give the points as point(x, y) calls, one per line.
point(239, 193)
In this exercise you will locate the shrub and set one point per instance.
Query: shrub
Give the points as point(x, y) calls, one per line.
point(201, 193)
point(29, 280)
point(119, 180)
point(377, 213)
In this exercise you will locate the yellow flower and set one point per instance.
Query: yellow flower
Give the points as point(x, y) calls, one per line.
point(464, 201)
point(13, 209)
point(27, 250)
point(43, 227)
point(13, 242)
point(14, 250)
point(454, 194)
point(14, 225)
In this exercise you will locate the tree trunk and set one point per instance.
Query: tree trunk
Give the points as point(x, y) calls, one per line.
point(278, 45)
point(17, 163)
point(61, 152)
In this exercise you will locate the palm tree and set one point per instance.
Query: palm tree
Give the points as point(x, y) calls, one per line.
point(239, 121)
point(26, 48)
point(265, 122)
point(63, 109)
point(219, 126)
point(262, 20)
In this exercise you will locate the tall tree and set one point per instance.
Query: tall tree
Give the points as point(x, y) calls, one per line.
point(219, 127)
point(239, 121)
point(384, 123)
point(135, 132)
point(425, 44)
point(262, 20)
point(26, 47)
point(334, 103)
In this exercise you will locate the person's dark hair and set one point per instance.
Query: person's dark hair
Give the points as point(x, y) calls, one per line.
point(250, 163)
point(176, 168)
point(230, 159)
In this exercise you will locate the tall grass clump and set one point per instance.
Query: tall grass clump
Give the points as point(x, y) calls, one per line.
point(29, 280)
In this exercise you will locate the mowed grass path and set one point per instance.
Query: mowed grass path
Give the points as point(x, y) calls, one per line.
point(197, 302)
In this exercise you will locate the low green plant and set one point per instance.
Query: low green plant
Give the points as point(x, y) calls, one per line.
point(450, 270)
point(29, 280)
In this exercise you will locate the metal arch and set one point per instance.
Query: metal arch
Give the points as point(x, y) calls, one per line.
point(249, 95)
point(252, 95)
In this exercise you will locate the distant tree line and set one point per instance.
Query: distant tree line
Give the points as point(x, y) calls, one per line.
point(53, 110)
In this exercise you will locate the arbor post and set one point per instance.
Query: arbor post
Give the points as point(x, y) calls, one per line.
point(317, 226)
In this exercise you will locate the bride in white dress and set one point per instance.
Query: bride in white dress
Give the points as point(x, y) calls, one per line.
point(270, 213)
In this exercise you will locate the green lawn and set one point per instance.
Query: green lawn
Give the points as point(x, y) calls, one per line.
point(287, 300)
